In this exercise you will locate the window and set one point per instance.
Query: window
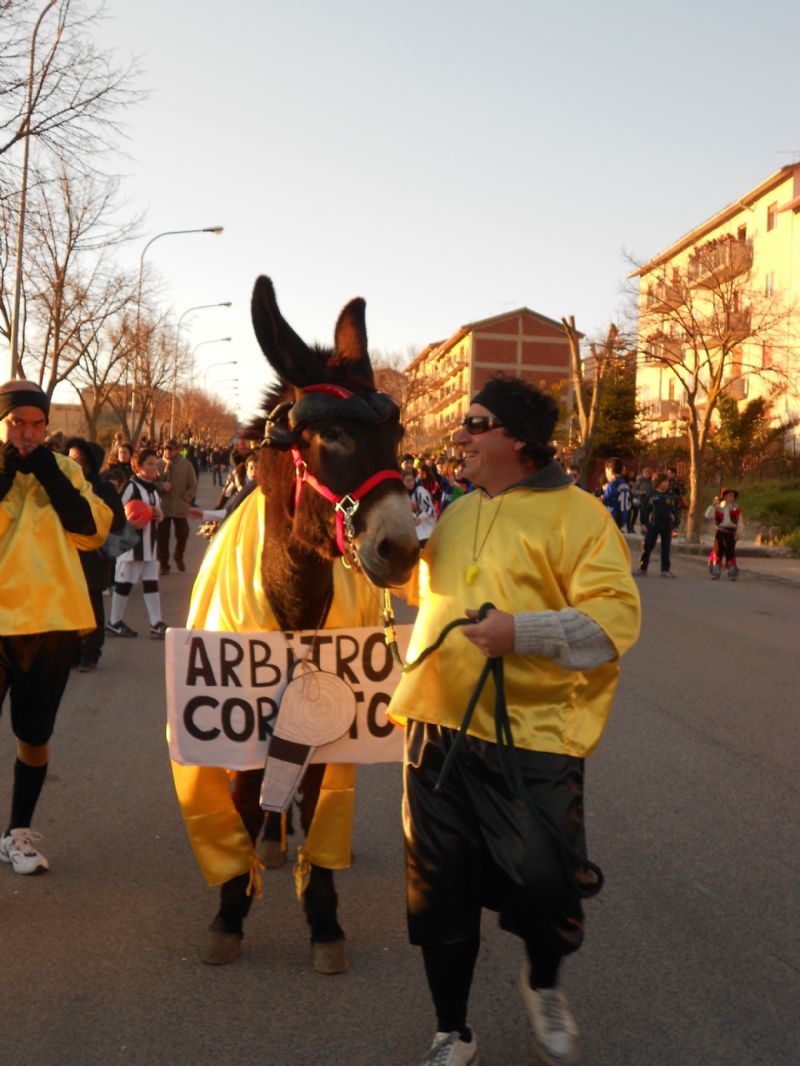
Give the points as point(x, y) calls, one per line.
point(769, 284)
point(772, 216)
point(766, 356)
point(741, 233)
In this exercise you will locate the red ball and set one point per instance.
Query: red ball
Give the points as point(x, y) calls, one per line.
point(138, 511)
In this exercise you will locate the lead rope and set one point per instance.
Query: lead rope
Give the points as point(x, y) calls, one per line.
point(578, 869)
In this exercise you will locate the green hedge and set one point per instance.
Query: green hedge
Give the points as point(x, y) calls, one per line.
point(771, 502)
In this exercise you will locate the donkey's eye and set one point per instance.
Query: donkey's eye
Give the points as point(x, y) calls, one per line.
point(331, 435)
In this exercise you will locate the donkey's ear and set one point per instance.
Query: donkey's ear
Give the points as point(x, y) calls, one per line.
point(350, 341)
point(288, 355)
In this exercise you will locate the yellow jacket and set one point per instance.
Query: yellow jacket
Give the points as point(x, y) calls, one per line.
point(547, 550)
point(229, 596)
point(42, 587)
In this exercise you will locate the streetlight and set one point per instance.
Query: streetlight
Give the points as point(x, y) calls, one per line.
point(231, 362)
point(23, 198)
point(216, 340)
point(158, 236)
point(219, 340)
point(188, 311)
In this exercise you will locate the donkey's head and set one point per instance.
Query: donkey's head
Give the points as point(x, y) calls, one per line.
point(340, 493)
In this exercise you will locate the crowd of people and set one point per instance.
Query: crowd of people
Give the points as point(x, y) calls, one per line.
point(79, 525)
point(566, 606)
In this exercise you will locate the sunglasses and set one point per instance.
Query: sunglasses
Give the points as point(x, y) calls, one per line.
point(477, 424)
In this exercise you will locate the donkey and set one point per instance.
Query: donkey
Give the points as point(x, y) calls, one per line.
point(329, 485)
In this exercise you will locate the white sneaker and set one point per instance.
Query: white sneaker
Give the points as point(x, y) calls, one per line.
point(448, 1049)
point(17, 848)
point(555, 1034)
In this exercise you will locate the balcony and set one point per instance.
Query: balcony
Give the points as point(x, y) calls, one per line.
point(664, 296)
point(664, 410)
point(664, 348)
point(719, 260)
point(728, 329)
point(736, 388)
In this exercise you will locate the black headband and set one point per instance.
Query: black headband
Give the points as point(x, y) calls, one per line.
point(513, 410)
point(372, 409)
point(22, 394)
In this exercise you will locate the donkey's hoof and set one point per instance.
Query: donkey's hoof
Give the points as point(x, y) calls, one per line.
point(272, 854)
point(330, 958)
point(221, 947)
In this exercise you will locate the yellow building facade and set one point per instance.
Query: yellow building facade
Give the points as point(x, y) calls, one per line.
point(735, 282)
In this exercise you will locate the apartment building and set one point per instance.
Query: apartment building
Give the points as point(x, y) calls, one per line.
point(445, 375)
point(736, 279)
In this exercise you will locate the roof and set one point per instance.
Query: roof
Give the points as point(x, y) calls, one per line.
point(471, 327)
point(723, 216)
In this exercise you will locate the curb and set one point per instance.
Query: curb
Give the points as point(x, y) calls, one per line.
point(743, 551)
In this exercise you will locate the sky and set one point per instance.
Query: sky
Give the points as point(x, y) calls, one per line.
point(445, 160)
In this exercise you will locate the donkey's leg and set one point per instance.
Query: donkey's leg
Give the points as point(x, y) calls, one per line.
point(320, 899)
point(272, 849)
point(225, 934)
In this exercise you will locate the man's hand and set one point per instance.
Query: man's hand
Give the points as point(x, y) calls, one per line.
point(9, 460)
point(9, 465)
point(494, 636)
point(41, 463)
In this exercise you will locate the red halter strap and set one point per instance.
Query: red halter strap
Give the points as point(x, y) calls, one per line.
point(345, 506)
point(338, 391)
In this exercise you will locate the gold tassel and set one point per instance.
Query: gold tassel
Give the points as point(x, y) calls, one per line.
point(302, 872)
point(255, 884)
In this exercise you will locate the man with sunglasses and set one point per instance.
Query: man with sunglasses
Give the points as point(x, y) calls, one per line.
point(503, 826)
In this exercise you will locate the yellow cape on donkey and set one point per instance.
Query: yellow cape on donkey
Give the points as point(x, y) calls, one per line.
point(329, 493)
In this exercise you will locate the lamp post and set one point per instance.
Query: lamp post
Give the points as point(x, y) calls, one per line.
point(166, 233)
point(188, 311)
point(23, 198)
point(230, 362)
point(218, 340)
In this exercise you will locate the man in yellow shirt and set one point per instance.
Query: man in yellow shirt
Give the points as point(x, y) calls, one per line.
point(48, 513)
point(504, 828)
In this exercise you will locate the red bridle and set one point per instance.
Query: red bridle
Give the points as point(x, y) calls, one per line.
point(347, 505)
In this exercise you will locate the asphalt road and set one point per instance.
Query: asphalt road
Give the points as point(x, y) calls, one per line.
point(693, 949)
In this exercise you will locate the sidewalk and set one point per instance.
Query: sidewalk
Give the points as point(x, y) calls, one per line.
point(773, 564)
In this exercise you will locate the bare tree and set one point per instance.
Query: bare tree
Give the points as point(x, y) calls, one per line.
point(106, 354)
point(153, 366)
point(71, 99)
point(588, 381)
point(205, 416)
point(706, 323)
point(71, 287)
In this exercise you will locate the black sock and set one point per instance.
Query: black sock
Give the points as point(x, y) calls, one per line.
point(449, 969)
point(28, 781)
point(543, 968)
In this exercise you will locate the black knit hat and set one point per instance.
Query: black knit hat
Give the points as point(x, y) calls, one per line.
point(527, 413)
point(20, 393)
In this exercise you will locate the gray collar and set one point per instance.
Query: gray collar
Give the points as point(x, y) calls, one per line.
point(549, 476)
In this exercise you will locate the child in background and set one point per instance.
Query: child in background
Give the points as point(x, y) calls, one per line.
point(141, 562)
point(727, 515)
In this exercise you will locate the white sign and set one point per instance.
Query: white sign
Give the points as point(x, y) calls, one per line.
point(224, 690)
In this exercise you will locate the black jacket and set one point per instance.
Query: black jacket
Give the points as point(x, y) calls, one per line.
point(661, 510)
point(99, 572)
